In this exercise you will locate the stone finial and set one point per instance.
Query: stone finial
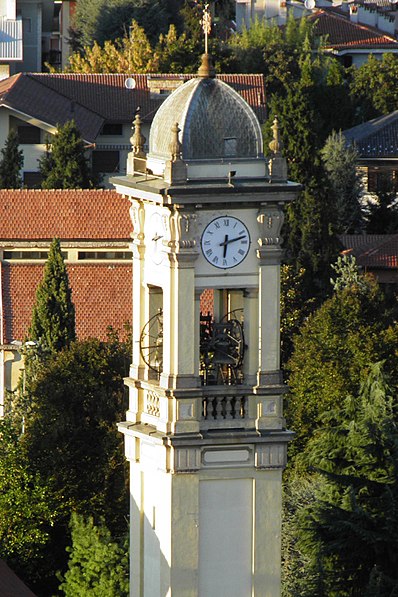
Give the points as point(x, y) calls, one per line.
point(276, 144)
point(138, 140)
point(277, 164)
point(136, 160)
point(175, 169)
point(175, 146)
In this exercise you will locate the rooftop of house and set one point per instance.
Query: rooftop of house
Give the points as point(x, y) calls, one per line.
point(82, 214)
point(373, 251)
point(343, 34)
point(92, 99)
point(11, 585)
point(377, 138)
point(101, 290)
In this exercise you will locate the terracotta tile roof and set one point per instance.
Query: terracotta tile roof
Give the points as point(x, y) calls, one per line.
point(377, 137)
point(106, 95)
point(27, 94)
point(373, 251)
point(11, 585)
point(35, 214)
point(343, 34)
point(102, 294)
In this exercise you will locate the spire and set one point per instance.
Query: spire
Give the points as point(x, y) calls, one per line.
point(206, 69)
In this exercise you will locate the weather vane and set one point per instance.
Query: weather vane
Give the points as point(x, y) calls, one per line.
point(206, 25)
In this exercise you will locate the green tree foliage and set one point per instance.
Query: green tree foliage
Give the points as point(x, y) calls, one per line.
point(348, 274)
point(105, 20)
point(72, 404)
point(130, 54)
point(340, 163)
point(65, 166)
point(293, 309)
point(53, 317)
point(97, 565)
point(374, 86)
point(299, 577)
point(337, 344)
point(76, 401)
point(11, 163)
point(268, 49)
point(27, 510)
point(352, 526)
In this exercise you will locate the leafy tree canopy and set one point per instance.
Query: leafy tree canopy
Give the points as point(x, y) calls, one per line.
point(27, 509)
point(337, 345)
point(374, 86)
point(11, 163)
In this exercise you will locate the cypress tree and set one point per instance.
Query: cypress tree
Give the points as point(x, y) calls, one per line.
point(65, 166)
point(53, 317)
point(11, 163)
point(352, 526)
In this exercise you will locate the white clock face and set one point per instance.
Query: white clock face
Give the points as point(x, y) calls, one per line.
point(156, 235)
point(225, 242)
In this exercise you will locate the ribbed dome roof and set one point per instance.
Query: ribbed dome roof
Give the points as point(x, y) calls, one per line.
point(215, 123)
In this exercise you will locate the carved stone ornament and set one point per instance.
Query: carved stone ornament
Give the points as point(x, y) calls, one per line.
point(137, 216)
point(138, 140)
point(277, 165)
point(175, 147)
point(270, 223)
point(183, 230)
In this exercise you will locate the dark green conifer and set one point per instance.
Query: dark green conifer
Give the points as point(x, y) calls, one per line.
point(53, 318)
point(65, 166)
point(11, 163)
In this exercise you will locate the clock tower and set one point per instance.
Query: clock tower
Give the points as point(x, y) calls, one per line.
point(204, 433)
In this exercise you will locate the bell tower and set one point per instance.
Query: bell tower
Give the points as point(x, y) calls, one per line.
point(204, 433)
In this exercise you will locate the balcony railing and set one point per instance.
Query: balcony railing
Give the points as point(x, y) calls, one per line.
point(11, 47)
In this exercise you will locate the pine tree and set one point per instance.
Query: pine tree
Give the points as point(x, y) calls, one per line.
point(65, 166)
point(352, 526)
point(11, 163)
point(98, 565)
point(53, 317)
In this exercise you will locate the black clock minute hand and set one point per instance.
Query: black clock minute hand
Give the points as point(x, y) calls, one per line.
point(157, 237)
point(232, 240)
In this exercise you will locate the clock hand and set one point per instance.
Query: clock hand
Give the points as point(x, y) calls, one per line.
point(232, 240)
point(225, 243)
point(157, 237)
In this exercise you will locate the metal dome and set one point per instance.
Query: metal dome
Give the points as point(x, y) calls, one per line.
point(215, 123)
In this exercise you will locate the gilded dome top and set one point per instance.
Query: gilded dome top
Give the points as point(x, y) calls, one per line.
point(215, 123)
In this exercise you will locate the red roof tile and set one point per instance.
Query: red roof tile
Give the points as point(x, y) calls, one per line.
point(86, 214)
point(101, 293)
point(341, 33)
point(373, 251)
